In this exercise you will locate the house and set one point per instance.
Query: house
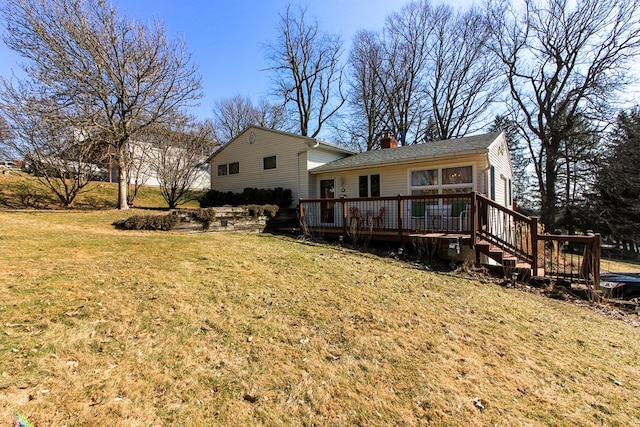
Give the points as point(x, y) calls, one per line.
point(475, 163)
point(454, 196)
point(266, 158)
point(151, 150)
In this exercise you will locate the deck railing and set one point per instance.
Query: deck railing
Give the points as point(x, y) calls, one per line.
point(507, 229)
point(399, 215)
point(471, 215)
point(569, 257)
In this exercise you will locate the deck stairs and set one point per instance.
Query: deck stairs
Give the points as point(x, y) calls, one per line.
point(506, 256)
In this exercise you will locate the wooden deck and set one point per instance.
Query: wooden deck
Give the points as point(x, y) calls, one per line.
point(473, 220)
point(390, 235)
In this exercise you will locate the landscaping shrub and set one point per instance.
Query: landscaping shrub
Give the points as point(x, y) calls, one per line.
point(281, 197)
point(205, 216)
point(260, 210)
point(148, 222)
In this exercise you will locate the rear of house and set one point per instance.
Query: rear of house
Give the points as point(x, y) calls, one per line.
point(418, 190)
point(471, 164)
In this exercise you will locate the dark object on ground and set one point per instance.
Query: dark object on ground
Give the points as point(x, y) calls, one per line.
point(249, 196)
point(148, 222)
point(620, 285)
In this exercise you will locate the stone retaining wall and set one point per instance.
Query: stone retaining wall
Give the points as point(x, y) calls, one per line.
point(224, 219)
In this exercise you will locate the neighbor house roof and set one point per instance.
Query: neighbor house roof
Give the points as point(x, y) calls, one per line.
point(478, 144)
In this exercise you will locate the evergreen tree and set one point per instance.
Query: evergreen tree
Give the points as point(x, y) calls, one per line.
point(618, 183)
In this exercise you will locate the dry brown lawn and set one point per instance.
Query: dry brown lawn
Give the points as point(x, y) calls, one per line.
point(129, 328)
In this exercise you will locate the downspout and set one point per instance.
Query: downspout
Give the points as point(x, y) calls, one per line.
point(315, 144)
point(298, 173)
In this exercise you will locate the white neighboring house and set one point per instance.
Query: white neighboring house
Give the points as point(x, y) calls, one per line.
point(143, 171)
point(266, 158)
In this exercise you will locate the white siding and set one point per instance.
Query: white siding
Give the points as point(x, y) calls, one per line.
point(318, 157)
point(499, 158)
point(394, 179)
point(250, 157)
point(294, 155)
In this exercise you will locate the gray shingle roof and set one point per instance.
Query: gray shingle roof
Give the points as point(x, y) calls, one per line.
point(412, 153)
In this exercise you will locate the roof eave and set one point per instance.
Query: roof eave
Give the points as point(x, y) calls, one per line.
point(321, 169)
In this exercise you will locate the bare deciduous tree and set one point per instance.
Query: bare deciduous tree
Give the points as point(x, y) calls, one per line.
point(233, 115)
point(121, 75)
point(177, 155)
point(428, 75)
point(307, 71)
point(564, 61)
point(46, 134)
point(405, 45)
point(366, 98)
point(461, 81)
point(273, 116)
point(5, 138)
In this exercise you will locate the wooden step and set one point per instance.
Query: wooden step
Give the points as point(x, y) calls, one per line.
point(498, 255)
point(508, 261)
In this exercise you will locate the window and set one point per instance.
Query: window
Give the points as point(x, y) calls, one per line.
point(363, 186)
point(424, 178)
point(369, 186)
point(442, 181)
point(229, 169)
point(459, 175)
point(375, 185)
point(269, 162)
point(234, 168)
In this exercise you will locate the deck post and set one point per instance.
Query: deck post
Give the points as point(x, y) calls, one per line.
point(473, 223)
point(400, 215)
point(301, 214)
point(344, 217)
point(596, 260)
point(534, 246)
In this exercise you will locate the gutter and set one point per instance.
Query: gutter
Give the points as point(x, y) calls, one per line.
point(310, 143)
point(396, 162)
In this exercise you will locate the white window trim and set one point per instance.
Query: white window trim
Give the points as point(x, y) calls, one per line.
point(369, 185)
point(440, 186)
point(267, 157)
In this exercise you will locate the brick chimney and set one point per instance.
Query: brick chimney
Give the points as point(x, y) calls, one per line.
point(387, 140)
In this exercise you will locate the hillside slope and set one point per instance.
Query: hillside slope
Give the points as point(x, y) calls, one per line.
point(107, 327)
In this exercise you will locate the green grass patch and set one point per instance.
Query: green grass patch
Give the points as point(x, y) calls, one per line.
point(108, 327)
point(19, 190)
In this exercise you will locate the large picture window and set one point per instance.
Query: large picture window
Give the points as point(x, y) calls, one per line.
point(422, 178)
point(457, 179)
point(459, 175)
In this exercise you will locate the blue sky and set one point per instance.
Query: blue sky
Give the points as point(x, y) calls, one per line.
point(227, 38)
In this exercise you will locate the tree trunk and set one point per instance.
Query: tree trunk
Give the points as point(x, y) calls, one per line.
point(123, 182)
point(548, 212)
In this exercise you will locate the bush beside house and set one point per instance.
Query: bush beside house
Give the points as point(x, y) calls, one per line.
point(280, 197)
point(251, 218)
